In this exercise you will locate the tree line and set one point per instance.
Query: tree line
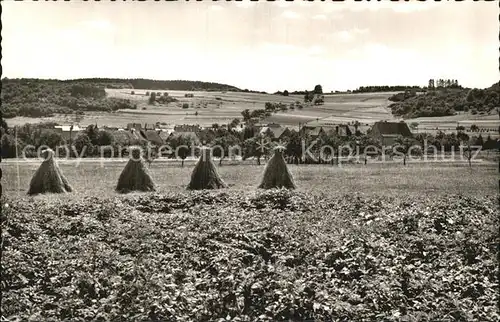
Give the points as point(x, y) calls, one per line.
point(137, 83)
point(88, 143)
point(386, 88)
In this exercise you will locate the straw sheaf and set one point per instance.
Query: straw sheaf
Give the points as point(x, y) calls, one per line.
point(135, 176)
point(205, 175)
point(276, 173)
point(49, 178)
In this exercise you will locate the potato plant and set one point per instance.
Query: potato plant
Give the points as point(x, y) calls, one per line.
point(268, 255)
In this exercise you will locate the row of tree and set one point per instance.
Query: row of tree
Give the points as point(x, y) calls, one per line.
point(386, 88)
point(252, 145)
point(441, 83)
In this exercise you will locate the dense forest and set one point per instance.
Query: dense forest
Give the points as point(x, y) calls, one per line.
point(40, 98)
point(180, 85)
point(136, 83)
point(446, 101)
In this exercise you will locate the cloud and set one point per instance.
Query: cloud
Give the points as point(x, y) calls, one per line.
point(279, 48)
point(283, 4)
point(319, 17)
point(408, 7)
point(399, 7)
point(372, 6)
point(245, 4)
point(289, 14)
point(98, 24)
point(349, 35)
point(305, 3)
point(345, 35)
point(315, 50)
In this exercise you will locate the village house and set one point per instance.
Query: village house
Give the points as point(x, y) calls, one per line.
point(315, 128)
point(187, 128)
point(165, 134)
point(191, 136)
point(68, 132)
point(388, 132)
point(275, 131)
point(125, 137)
point(312, 132)
point(148, 126)
point(153, 136)
point(136, 126)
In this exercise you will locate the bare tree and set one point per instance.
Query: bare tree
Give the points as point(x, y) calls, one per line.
point(468, 153)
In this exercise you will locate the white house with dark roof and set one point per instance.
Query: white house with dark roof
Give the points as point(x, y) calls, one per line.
point(66, 130)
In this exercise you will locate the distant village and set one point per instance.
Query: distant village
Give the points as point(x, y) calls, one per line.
point(159, 134)
point(386, 132)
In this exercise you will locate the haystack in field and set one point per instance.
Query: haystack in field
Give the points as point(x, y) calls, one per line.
point(135, 176)
point(205, 175)
point(276, 174)
point(48, 178)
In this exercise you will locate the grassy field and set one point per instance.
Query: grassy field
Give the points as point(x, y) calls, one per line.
point(94, 178)
point(487, 124)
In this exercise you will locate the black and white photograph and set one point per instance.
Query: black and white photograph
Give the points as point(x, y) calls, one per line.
point(250, 160)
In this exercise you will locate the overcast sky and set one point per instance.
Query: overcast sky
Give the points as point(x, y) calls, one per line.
point(260, 46)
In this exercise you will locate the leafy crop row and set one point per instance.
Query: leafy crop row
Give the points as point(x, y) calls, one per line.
point(275, 255)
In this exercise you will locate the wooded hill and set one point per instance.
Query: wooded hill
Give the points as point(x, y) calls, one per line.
point(135, 83)
point(446, 101)
point(39, 98)
point(44, 97)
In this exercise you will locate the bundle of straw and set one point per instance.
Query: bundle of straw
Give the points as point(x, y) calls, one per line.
point(135, 176)
point(205, 175)
point(49, 177)
point(276, 173)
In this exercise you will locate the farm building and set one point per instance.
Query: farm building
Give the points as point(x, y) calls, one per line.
point(165, 134)
point(136, 126)
point(187, 128)
point(313, 132)
point(342, 130)
point(149, 126)
point(364, 128)
point(239, 128)
point(191, 135)
point(153, 136)
point(127, 137)
point(388, 132)
point(67, 130)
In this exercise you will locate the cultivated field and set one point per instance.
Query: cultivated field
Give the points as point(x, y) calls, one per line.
point(487, 124)
point(223, 107)
point(376, 242)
